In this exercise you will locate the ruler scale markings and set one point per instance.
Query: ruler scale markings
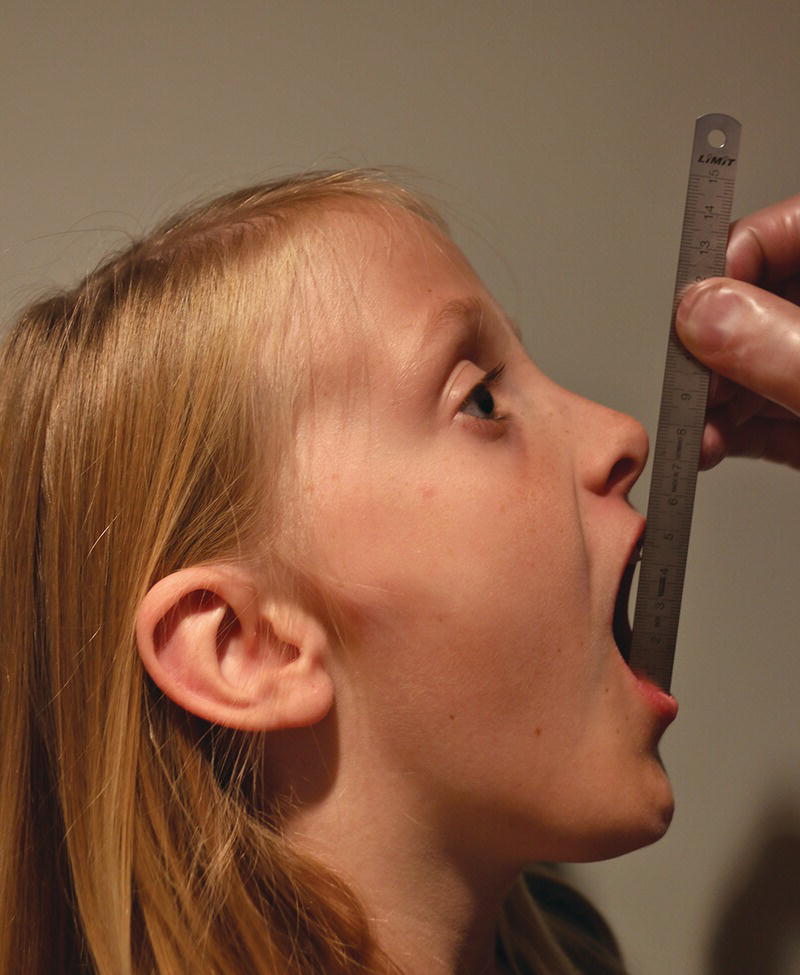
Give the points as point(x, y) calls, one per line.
point(704, 240)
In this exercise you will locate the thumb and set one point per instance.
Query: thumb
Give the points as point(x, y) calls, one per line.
point(746, 334)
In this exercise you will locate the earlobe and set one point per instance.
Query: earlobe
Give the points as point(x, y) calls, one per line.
point(219, 651)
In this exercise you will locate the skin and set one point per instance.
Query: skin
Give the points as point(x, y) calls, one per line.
point(746, 329)
point(476, 714)
point(483, 715)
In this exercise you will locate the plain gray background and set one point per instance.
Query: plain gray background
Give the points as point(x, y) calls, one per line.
point(557, 135)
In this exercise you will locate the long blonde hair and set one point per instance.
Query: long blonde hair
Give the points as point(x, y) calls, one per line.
point(144, 418)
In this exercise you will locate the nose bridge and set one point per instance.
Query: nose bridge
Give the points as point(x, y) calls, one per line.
point(611, 447)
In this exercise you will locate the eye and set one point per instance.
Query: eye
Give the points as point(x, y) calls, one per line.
point(479, 402)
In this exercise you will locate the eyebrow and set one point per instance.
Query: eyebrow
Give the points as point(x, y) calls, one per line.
point(457, 326)
point(456, 323)
point(456, 313)
point(471, 310)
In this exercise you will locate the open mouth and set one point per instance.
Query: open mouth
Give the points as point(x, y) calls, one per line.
point(621, 623)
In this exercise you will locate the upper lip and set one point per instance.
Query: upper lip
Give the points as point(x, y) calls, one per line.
point(620, 623)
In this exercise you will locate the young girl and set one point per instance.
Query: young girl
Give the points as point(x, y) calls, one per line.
point(310, 581)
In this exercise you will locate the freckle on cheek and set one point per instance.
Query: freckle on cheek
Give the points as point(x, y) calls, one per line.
point(537, 732)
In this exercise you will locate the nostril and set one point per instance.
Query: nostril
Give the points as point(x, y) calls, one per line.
point(622, 470)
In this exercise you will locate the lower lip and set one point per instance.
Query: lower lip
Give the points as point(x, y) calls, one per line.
point(662, 704)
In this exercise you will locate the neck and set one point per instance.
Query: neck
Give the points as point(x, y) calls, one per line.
point(431, 913)
point(426, 914)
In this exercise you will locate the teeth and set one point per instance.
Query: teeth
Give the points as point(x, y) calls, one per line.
point(621, 623)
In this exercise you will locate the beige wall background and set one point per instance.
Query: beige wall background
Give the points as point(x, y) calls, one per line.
point(558, 134)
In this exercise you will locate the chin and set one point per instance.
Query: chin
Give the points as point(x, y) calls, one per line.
point(634, 822)
point(642, 830)
point(617, 843)
point(640, 837)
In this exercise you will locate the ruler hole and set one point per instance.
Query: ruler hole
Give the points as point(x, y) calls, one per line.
point(717, 138)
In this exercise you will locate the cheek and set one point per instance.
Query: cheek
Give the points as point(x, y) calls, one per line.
point(473, 586)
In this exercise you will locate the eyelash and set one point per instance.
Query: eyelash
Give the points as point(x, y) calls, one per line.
point(486, 384)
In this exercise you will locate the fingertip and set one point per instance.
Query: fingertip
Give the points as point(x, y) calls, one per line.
point(707, 316)
point(684, 315)
point(712, 449)
point(744, 259)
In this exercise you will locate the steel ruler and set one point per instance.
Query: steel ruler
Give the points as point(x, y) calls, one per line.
point(684, 393)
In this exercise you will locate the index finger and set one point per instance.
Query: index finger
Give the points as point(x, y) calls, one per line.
point(764, 248)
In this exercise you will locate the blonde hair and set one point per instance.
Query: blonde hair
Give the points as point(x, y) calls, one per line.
point(144, 423)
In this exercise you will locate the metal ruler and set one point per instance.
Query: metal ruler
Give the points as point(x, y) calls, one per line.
point(684, 393)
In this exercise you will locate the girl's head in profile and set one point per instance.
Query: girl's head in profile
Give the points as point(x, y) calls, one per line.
point(310, 580)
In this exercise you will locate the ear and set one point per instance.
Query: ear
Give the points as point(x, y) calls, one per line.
point(216, 649)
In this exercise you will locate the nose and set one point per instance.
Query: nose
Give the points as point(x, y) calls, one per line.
point(612, 448)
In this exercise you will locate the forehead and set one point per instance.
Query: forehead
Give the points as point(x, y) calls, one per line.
point(369, 252)
point(384, 283)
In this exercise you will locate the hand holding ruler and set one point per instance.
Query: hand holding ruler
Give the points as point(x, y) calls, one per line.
point(676, 456)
